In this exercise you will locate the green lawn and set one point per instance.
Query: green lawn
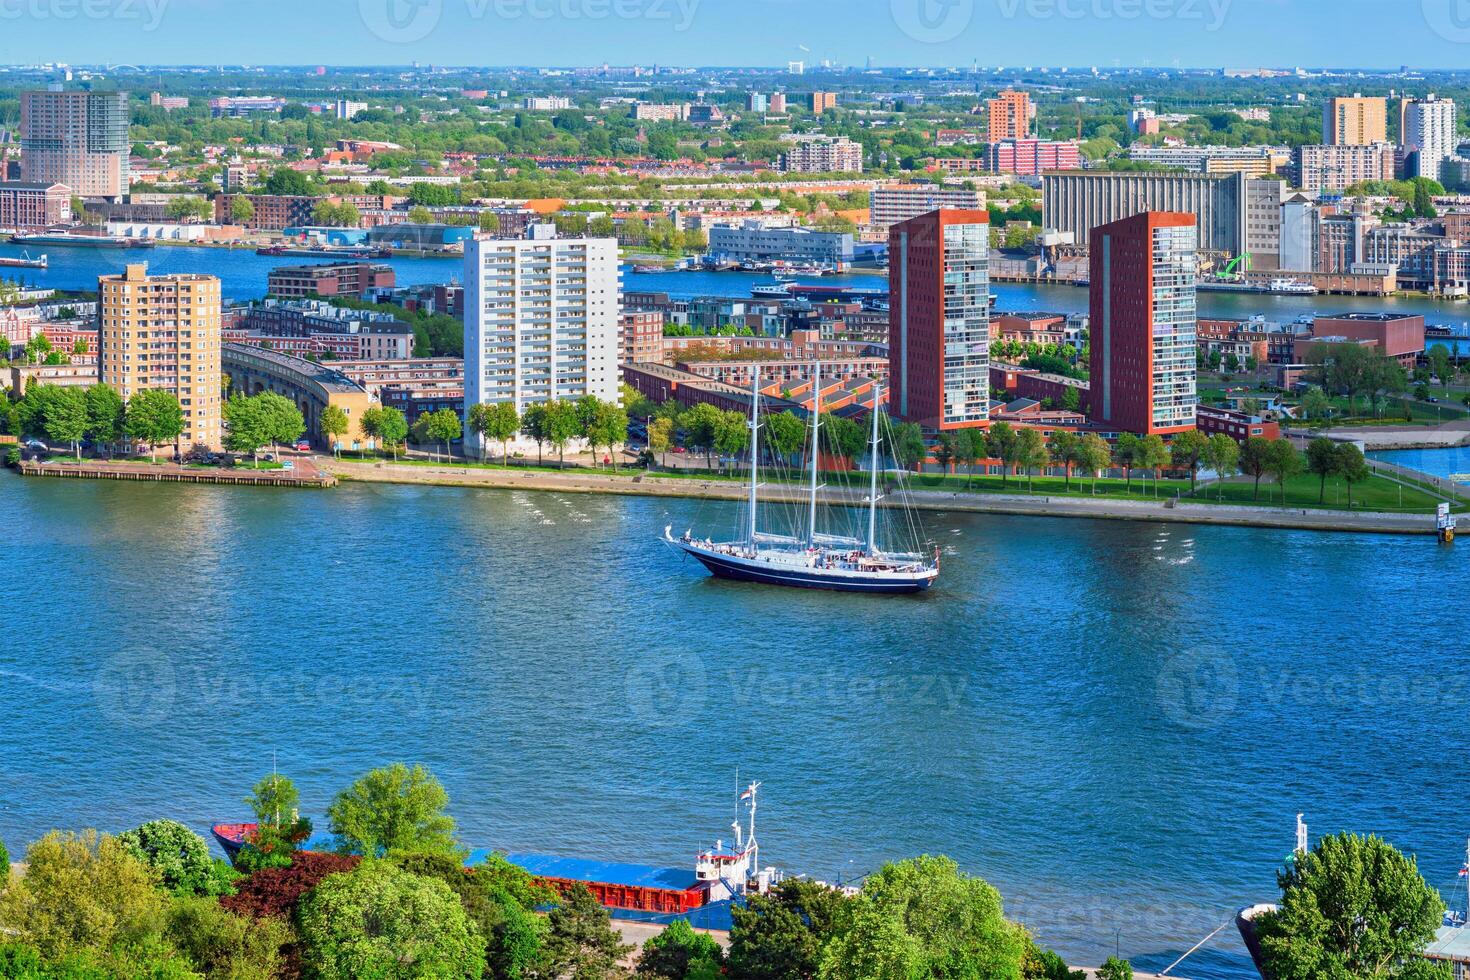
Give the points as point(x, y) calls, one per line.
point(1376, 494)
point(1052, 486)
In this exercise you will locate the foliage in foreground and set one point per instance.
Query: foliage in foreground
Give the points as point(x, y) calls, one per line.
point(1351, 907)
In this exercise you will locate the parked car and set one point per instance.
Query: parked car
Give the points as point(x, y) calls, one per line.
point(35, 444)
point(302, 446)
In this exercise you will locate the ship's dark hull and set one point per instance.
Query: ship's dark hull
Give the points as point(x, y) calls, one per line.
point(745, 571)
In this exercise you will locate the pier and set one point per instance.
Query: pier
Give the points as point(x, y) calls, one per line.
point(173, 473)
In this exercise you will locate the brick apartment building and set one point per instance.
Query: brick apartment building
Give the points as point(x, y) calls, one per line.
point(328, 280)
point(30, 205)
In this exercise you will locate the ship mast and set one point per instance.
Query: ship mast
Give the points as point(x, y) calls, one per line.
point(755, 449)
point(873, 488)
point(811, 537)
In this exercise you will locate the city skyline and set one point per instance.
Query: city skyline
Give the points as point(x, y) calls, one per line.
point(758, 33)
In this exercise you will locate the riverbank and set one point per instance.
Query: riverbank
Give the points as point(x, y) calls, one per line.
point(306, 474)
point(1168, 511)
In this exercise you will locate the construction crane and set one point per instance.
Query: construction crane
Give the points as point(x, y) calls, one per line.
point(1236, 268)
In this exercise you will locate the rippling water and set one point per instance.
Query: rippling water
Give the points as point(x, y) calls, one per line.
point(1114, 722)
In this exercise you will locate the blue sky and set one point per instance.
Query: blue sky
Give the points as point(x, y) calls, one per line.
point(1211, 33)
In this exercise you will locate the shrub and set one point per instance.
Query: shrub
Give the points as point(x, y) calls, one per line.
point(222, 944)
point(4, 865)
point(277, 891)
point(498, 897)
point(82, 892)
point(393, 810)
point(180, 857)
point(383, 922)
point(678, 952)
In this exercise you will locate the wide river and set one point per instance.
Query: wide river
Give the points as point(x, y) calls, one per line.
point(1113, 722)
point(243, 274)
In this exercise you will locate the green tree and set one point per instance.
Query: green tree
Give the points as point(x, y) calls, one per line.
point(286, 181)
point(533, 427)
point(154, 417)
point(609, 427)
point(1031, 453)
point(924, 918)
point(1115, 969)
point(495, 423)
point(333, 426)
point(371, 424)
point(784, 435)
point(246, 429)
point(282, 420)
point(580, 940)
point(66, 418)
point(1439, 363)
point(1255, 460)
point(1094, 455)
point(701, 424)
point(279, 827)
point(1223, 457)
point(381, 921)
point(220, 944)
point(1126, 453)
point(1351, 907)
point(105, 414)
point(946, 451)
point(440, 426)
point(907, 441)
point(970, 449)
point(395, 809)
point(81, 892)
point(562, 426)
point(1322, 462)
point(1353, 468)
point(393, 429)
point(241, 209)
point(1153, 456)
point(180, 857)
point(678, 952)
point(1002, 442)
point(1188, 451)
point(660, 436)
point(1065, 449)
point(1316, 404)
point(781, 936)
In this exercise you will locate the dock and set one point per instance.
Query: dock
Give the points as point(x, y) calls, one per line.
point(172, 473)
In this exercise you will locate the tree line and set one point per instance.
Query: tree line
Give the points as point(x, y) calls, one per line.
point(385, 893)
point(95, 414)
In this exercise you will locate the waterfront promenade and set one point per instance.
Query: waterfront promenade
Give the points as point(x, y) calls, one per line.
point(639, 484)
point(305, 474)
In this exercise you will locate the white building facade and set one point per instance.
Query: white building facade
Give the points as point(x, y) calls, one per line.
point(1428, 126)
point(540, 321)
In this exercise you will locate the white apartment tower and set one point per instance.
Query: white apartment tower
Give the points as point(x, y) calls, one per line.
point(541, 319)
point(1428, 125)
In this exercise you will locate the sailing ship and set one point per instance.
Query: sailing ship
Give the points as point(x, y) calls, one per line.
point(816, 560)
